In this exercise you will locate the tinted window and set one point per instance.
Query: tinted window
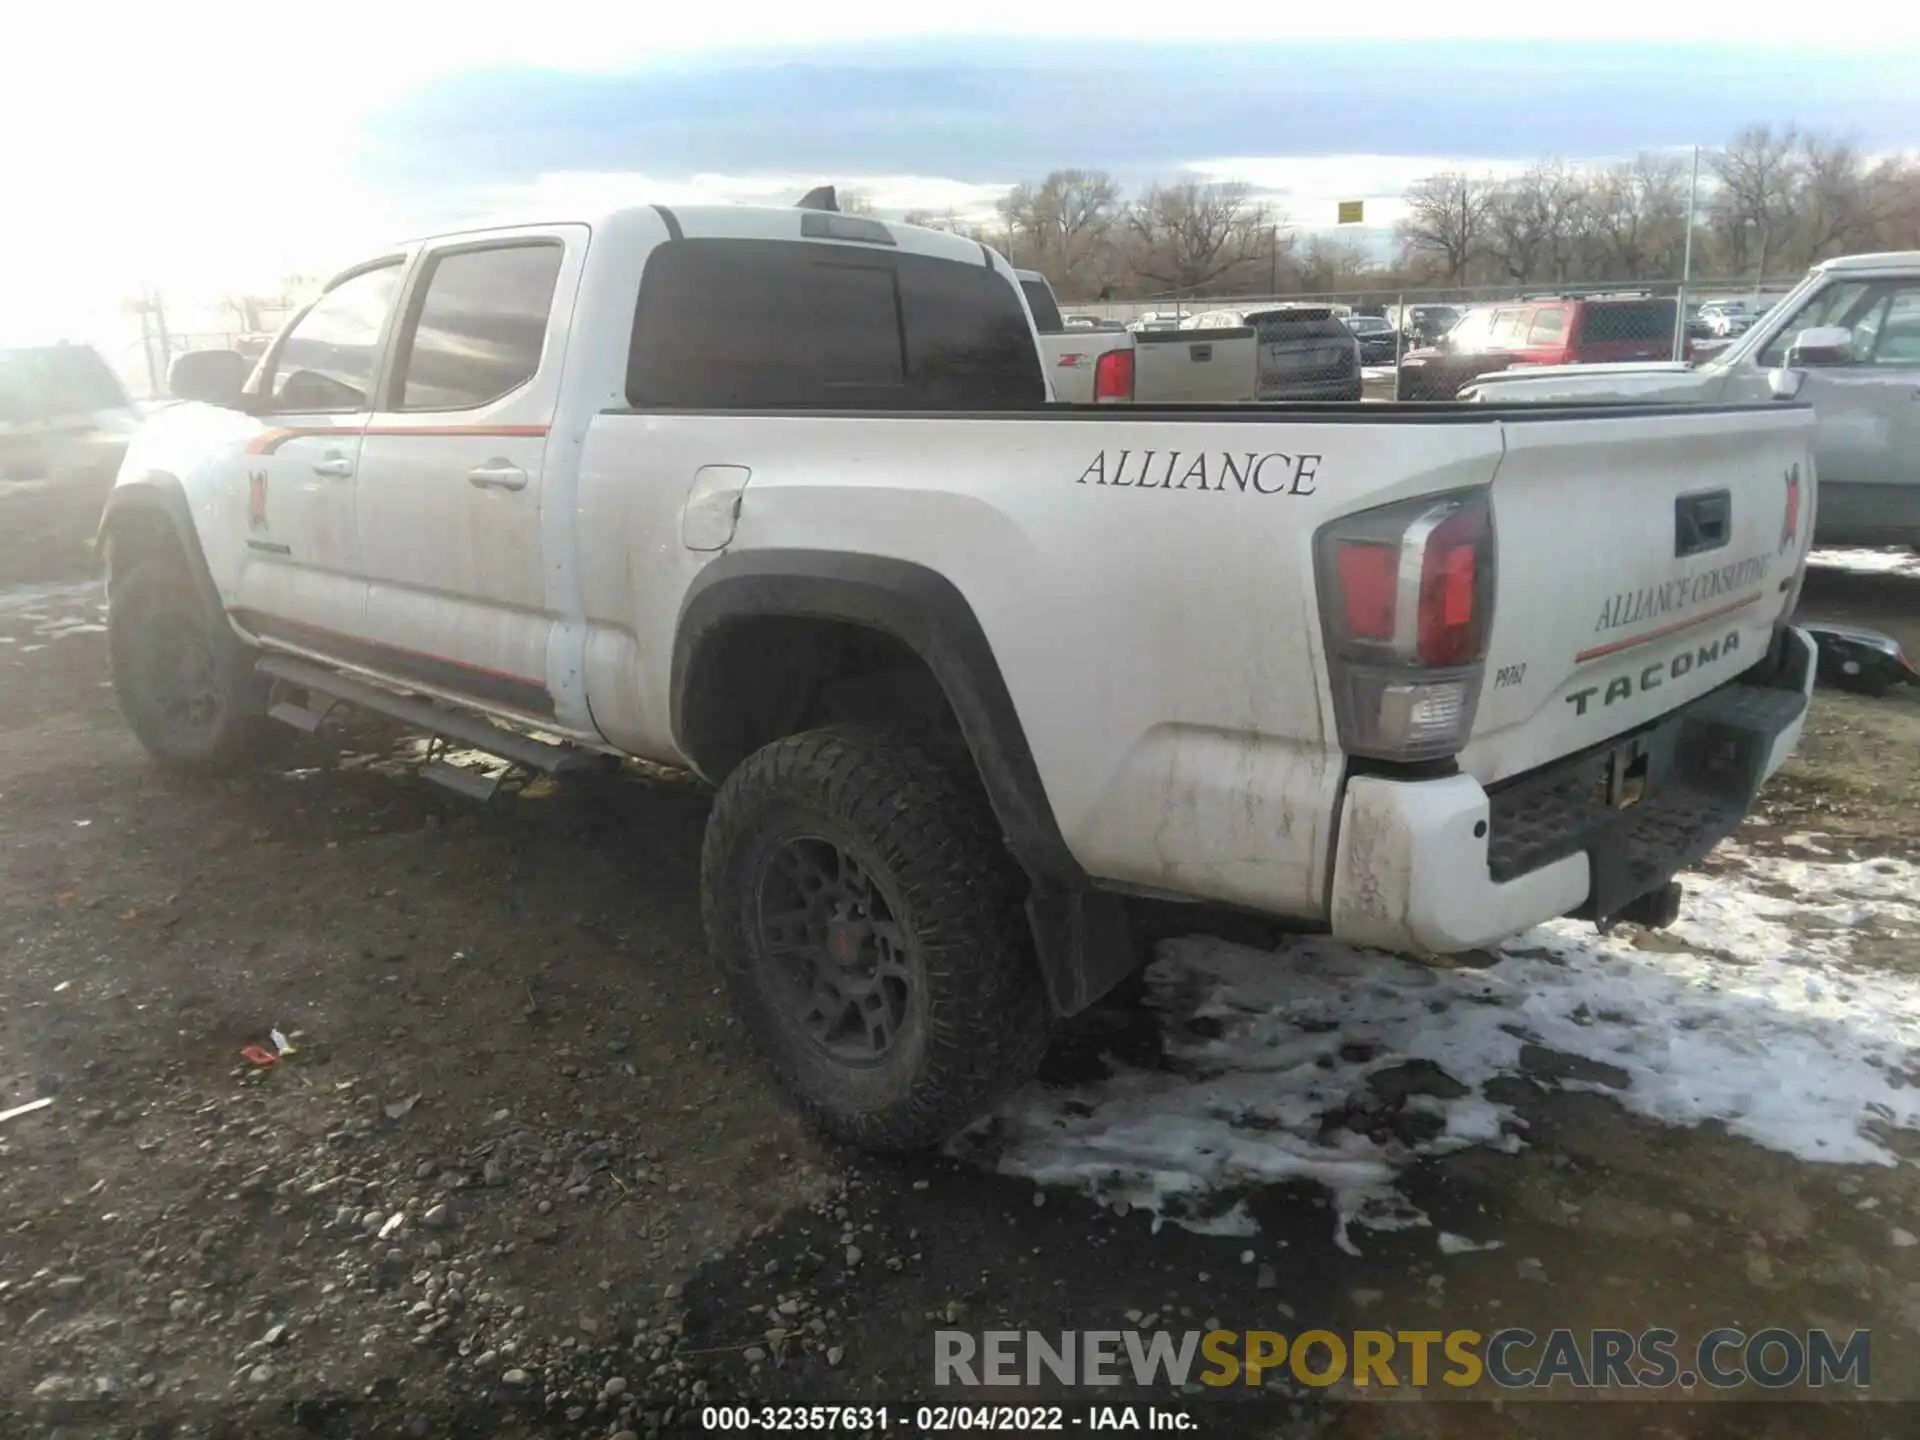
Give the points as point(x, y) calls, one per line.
point(1308, 324)
point(755, 324)
point(57, 380)
point(1549, 327)
point(1637, 321)
point(327, 360)
point(481, 326)
point(1046, 312)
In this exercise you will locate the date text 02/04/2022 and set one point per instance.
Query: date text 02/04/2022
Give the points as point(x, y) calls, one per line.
point(941, 1419)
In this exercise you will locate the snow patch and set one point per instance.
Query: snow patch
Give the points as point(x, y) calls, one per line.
point(1325, 1063)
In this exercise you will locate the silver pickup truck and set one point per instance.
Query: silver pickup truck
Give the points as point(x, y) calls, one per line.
point(1847, 339)
point(1144, 367)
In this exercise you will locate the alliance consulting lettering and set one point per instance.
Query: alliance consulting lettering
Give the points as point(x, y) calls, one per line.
point(1270, 474)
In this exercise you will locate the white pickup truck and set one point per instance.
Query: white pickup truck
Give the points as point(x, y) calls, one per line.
point(1218, 365)
point(781, 496)
point(1846, 341)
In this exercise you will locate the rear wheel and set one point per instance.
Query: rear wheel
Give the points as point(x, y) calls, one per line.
point(184, 680)
point(868, 922)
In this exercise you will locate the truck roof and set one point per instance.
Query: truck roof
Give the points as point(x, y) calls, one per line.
point(744, 222)
point(1880, 260)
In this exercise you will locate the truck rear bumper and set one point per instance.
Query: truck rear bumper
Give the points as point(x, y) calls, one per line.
point(1446, 865)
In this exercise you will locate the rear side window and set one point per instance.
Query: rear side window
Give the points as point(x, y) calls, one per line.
point(1046, 311)
point(1549, 327)
point(1611, 321)
point(480, 327)
point(768, 325)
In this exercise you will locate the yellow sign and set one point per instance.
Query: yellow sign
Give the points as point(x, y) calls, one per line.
point(1352, 211)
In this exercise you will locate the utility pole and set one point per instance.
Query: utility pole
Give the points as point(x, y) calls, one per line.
point(1273, 262)
point(1686, 263)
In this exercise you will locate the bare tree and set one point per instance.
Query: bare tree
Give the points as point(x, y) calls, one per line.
point(1636, 214)
point(1757, 175)
point(1446, 220)
point(1330, 262)
point(1187, 235)
point(1532, 220)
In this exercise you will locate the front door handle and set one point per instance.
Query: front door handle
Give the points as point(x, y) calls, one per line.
point(497, 475)
point(333, 465)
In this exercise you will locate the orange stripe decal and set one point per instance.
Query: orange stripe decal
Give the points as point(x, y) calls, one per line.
point(1616, 646)
point(269, 441)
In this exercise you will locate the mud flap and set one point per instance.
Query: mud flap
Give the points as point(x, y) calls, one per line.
point(1085, 943)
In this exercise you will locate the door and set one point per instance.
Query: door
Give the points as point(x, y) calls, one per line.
point(300, 577)
point(451, 491)
point(1867, 441)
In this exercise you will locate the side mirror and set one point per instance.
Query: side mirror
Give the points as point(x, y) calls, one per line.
point(213, 377)
point(1785, 382)
point(1821, 345)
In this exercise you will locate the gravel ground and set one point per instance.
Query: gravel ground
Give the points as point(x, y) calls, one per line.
point(520, 1175)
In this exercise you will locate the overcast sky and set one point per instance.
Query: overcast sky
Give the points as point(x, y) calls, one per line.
point(220, 146)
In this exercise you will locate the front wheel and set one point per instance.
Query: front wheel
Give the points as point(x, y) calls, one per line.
point(867, 919)
point(183, 679)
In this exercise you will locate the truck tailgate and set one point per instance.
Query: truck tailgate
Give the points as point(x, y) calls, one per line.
point(1643, 560)
point(1193, 366)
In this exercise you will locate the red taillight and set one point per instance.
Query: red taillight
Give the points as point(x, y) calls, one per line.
point(1369, 589)
point(1407, 602)
point(1113, 376)
point(1449, 634)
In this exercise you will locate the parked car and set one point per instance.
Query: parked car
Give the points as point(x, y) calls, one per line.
point(65, 418)
point(1115, 366)
point(1306, 351)
point(1847, 341)
point(1726, 318)
point(780, 496)
point(1565, 330)
point(1379, 341)
point(1423, 324)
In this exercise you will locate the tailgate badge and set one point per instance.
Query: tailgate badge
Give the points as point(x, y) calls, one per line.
point(1790, 527)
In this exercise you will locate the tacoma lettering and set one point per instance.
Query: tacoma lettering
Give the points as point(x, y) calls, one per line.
point(1652, 677)
point(1275, 473)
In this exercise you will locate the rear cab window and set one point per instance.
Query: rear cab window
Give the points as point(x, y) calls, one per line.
point(736, 324)
point(1046, 311)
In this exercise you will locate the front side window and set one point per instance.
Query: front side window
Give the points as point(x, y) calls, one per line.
point(758, 324)
point(1837, 304)
point(327, 361)
point(480, 326)
point(1889, 333)
point(1508, 327)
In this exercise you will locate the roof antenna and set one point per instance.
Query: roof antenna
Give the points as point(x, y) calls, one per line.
point(821, 197)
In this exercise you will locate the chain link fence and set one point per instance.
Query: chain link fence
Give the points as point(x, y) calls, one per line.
point(1424, 344)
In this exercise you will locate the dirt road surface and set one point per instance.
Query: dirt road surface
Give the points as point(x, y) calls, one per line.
point(518, 1173)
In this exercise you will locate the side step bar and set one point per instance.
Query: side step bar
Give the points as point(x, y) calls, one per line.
point(321, 684)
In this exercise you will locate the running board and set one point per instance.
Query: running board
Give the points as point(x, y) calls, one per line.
point(318, 682)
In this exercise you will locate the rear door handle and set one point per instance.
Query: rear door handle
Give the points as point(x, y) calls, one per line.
point(333, 465)
point(497, 475)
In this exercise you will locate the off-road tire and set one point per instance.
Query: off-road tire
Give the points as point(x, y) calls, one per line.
point(184, 679)
point(977, 1015)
